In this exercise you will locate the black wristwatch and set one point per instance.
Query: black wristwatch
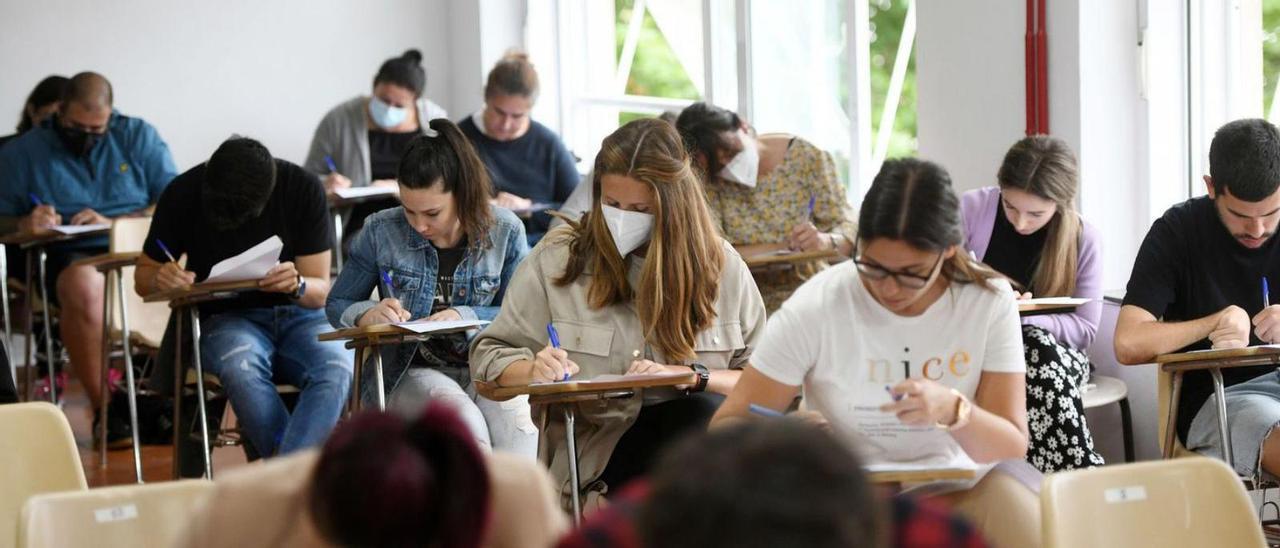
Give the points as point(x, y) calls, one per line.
point(301, 289)
point(704, 377)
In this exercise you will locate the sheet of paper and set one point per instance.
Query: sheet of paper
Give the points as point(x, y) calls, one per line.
point(363, 191)
point(1207, 350)
point(424, 326)
point(615, 378)
point(531, 209)
point(253, 264)
point(1066, 301)
point(71, 230)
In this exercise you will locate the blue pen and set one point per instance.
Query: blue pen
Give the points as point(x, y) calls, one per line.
point(763, 411)
point(35, 200)
point(896, 397)
point(1266, 293)
point(166, 251)
point(554, 338)
point(386, 279)
point(333, 168)
point(812, 199)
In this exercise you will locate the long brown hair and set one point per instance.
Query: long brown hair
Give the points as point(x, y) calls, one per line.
point(681, 274)
point(447, 158)
point(1045, 167)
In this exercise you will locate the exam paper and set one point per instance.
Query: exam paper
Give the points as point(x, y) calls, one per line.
point(362, 191)
point(423, 326)
point(253, 264)
point(71, 230)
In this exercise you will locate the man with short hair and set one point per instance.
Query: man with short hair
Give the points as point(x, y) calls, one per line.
point(217, 210)
point(89, 164)
point(1198, 283)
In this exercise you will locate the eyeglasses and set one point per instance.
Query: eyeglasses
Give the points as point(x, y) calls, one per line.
point(904, 279)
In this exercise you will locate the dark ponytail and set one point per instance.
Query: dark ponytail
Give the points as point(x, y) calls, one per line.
point(701, 126)
point(912, 200)
point(384, 481)
point(47, 92)
point(405, 71)
point(449, 159)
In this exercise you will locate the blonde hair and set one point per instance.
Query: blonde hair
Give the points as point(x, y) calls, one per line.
point(512, 75)
point(1046, 167)
point(680, 281)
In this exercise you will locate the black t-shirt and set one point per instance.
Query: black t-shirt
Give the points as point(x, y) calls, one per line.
point(385, 150)
point(296, 212)
point(450, 350)
point(1012, 254)
point(449, 261)
point(1189, 266)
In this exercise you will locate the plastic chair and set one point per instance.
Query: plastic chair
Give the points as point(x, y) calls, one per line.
point(1194, 501)
point(1103, 390)
point(125, 516)
point(37, 455)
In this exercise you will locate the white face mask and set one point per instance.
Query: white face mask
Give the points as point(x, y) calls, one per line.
point(630, 229)
point(745, 166)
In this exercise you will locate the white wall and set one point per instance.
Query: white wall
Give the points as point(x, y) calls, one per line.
point(969, 85)
point(200, 71)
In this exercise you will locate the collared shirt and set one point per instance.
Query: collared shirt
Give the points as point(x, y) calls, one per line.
point(603, 341)
point(124, 173)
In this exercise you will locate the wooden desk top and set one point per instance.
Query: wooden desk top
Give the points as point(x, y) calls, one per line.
point(1207, 359)
point(1038, 309)
point(201, 292)
point(109, 261)
point(32, 240)
point(771, 257)
point(559, 391)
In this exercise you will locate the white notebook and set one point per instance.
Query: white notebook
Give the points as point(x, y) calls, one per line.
point(253, 264)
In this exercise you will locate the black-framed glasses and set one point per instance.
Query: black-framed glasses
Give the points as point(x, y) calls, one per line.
point(904, 279)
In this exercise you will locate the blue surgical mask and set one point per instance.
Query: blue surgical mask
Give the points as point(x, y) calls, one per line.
point(384, 115)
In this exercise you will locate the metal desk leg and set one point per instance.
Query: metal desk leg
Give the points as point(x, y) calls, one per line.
point(1126, 423)
point(130, 387)
point(105, 370)
point(4, 301)
point(1223, 429)
point(353, 402)
point(28, 381)
point(337, 240)
point(179, 378)
point(204, 419)
point(572, 442)
point(377, 372)
point(48, 328)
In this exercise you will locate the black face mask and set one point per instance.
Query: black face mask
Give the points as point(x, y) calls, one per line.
point(78, 141)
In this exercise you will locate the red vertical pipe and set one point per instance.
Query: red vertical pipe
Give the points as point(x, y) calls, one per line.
point(1042, 68)
point(1031, 60)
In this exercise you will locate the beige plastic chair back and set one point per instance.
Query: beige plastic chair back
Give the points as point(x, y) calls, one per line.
point(133, 515)
point(37, 455)
point(1193, 501)
point(147, 321)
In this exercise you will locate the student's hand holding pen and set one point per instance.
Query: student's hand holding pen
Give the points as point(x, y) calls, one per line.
point(387, 310)
point(42, 217)
point(335, 181)
point(922, 402)
point(1267, 324)
point(552, 364)
point(172, 276)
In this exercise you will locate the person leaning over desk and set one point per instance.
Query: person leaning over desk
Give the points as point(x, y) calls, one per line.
point(445, 254)
point(1197, 283)
point(912, 352)
point(643, 284)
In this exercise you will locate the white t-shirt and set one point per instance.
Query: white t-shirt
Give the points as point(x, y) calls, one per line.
point(833, 338)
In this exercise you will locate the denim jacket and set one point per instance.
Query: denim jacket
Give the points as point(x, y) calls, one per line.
point(387, 243)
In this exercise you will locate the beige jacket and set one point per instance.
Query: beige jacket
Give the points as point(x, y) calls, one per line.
point(265, 505)
point(602, 341)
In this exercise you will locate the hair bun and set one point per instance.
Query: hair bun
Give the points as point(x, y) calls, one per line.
point(412, 55)
point(516, 54)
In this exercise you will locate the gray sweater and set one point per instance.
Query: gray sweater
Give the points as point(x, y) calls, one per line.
point(343, 134)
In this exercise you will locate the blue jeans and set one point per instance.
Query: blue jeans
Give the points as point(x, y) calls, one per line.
point(250, 350)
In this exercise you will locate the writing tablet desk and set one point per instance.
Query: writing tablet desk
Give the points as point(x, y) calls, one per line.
point(184, 302)
point(921, 475)
point(368, 339)
point(339, 205)
point(37, 245)
point(111, 266)
point(773, 258)
point(1214, 361)
point(566, 394)
point(1035, 309)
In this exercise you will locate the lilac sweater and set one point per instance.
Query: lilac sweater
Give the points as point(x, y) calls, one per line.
point(978, 207)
